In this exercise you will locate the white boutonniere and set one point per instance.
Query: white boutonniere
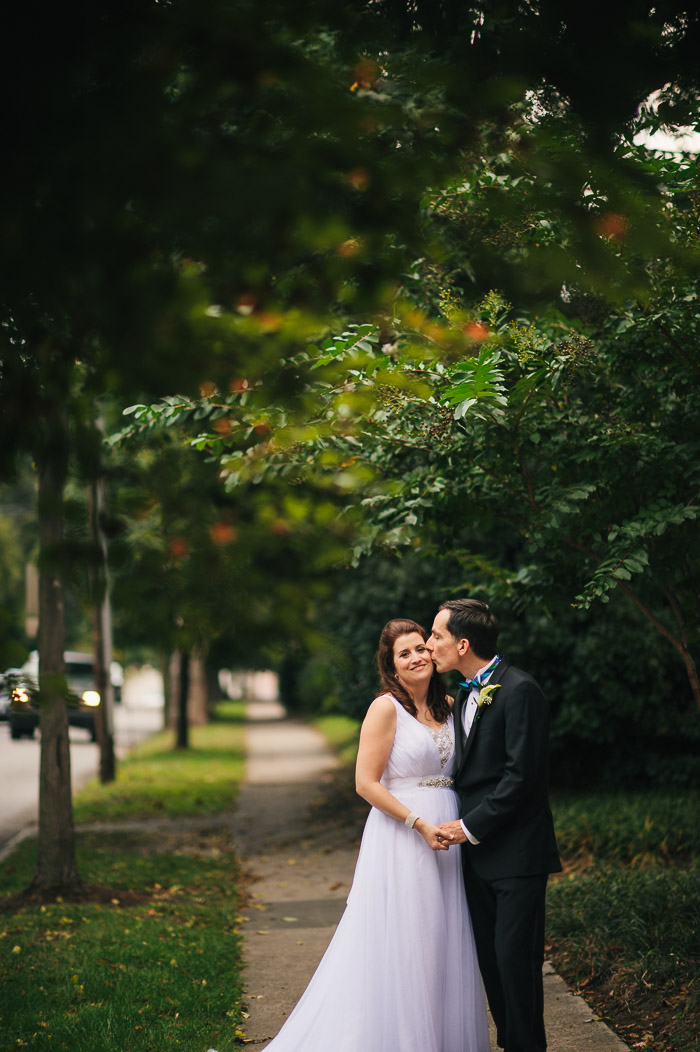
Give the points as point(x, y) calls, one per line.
point(486, 695)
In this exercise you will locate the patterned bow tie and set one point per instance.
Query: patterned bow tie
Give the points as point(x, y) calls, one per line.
point(479, 680)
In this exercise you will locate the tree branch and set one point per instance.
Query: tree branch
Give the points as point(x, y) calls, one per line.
point(679, 645)
point(678, 348)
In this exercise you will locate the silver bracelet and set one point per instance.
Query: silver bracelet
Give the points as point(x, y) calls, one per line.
point(411, 819)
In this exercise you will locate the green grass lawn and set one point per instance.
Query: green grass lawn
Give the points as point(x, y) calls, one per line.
point(341, 733)
point(156, 780)
point(149, 959)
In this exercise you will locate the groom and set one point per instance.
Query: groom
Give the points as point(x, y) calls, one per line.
point(502, 747)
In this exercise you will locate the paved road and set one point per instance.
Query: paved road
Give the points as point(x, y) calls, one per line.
point(137, 717)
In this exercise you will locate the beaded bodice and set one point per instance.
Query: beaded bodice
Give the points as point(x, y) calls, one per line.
point(444, 739)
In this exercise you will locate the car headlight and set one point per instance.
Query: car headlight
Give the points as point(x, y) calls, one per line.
point(20, 694)
point(91, 697)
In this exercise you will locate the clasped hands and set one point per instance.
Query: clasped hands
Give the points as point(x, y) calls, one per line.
point(452, 832)
point(442, 837)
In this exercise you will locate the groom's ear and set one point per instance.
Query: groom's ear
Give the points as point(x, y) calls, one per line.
point(463, 647)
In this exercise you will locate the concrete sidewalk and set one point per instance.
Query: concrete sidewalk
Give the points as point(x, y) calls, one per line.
point(303, 873)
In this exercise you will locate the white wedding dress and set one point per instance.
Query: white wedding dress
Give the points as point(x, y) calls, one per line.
point(400, 974)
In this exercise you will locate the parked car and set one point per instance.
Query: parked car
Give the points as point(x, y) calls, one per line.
point(8, 680)
point(84, 698)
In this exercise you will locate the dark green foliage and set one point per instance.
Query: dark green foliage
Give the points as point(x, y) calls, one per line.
point(621, 711)
point(623, 920)
point(652, 827)
point(628, 906)
point(363, 600)
point(628, 938)
point(17, 546)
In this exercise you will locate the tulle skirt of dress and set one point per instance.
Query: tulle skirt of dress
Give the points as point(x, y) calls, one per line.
point(400, 974)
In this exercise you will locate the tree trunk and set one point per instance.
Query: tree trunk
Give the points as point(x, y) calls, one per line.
point(165, 666)
point(182, 741)
point(56, 870)
point(214, 691)
point(102, 635)
point(198, 694)
point(102, 650)
point(679, 643)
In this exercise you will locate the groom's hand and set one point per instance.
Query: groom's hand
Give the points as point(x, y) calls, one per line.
point(452, 832)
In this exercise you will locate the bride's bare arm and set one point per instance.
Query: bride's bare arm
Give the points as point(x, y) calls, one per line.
point(376, 741)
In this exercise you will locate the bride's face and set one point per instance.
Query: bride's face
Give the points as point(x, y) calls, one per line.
point(413, 662)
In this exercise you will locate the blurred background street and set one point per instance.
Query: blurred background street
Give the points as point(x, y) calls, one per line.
point(139, 715)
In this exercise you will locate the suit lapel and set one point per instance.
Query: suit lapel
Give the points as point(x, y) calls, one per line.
point(470, 739)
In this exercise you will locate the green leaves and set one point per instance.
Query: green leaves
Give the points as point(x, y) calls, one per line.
point(479, 385)
point(339, 348)
point(631, 545)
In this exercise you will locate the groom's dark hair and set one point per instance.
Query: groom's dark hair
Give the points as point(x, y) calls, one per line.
point(473, 620)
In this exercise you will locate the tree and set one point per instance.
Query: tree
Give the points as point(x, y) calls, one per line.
point(104, 292)
point(195, 566)
point(584, 419)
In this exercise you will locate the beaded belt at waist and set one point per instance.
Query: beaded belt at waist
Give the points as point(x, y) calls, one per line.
point(438, 782)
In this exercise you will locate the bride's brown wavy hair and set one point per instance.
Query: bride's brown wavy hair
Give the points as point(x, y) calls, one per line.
point(437, 695)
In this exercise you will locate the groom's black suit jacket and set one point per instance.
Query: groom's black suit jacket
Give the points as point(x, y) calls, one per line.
point(501, 779)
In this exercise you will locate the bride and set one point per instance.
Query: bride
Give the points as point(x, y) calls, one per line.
point(400, 974)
